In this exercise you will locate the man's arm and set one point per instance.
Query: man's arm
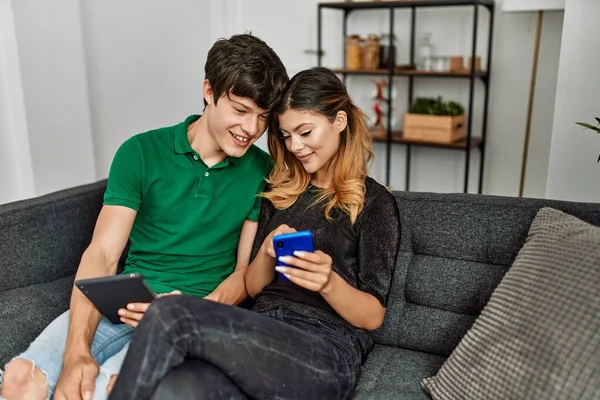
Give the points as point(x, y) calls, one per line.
point(99, 259)
point(233, 289)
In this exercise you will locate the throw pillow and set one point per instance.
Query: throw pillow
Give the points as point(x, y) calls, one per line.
point(539, 335)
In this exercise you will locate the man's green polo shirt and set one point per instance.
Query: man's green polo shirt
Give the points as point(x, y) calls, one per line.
point(189, 216)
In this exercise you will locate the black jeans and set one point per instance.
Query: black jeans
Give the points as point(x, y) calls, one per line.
point(274, 355)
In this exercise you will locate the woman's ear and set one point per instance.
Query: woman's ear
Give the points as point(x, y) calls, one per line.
point(207, 92)
point(341, 121)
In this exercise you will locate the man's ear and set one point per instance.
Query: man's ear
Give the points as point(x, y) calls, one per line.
point(207, 92)
point(341, 121)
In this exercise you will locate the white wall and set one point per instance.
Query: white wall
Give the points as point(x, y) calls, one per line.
point(142, 62)
point(55, 92)
point(16, 175)
point(145, 67)
point(573, 173)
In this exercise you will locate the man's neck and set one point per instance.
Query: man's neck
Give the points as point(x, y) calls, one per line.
point(204, 144)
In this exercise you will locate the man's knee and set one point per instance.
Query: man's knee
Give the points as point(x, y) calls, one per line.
point(22, 378)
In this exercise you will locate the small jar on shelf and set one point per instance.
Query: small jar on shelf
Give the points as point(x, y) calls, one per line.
point(354, 52)
point(425, 62)
point(371, 52)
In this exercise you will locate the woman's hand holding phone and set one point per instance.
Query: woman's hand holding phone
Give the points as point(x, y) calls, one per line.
point(267, 246)
point(313, 270)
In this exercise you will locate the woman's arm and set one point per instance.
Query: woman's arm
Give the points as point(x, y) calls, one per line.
point(315, 273)
point(378, 242)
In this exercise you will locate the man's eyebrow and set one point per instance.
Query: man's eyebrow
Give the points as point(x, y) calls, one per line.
point(241, 104)
point(296, 129)
point(248, 108)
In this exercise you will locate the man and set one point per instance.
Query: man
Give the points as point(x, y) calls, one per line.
point(185, 197)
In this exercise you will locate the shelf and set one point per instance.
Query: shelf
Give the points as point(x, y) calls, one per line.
point(397, 138)
point(366, 5)
point(411, 72)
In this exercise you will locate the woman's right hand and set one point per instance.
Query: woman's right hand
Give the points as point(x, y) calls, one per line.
point(267, 246)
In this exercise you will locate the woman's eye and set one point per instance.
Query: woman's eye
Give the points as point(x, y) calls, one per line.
point(305, 133)
point(239, 110)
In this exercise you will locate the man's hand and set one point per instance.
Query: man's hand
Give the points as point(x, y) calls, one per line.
point(231, 291)
point(77, 379)
point(134, 312)
point(217, 296)
point(313, 270)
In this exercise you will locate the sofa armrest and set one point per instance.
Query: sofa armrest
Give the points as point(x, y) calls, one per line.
point(42, 239)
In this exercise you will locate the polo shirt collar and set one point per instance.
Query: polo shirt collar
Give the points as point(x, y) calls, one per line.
point(182, 144)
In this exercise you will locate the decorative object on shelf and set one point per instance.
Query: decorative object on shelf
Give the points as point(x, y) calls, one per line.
point(425, 53)
point(387, 51)
point(435, 120)
point(591, 127)
point(371, 52)
point(457, 63)
point(527, 6)
point(354, 52)
point(440, 63)
point(381, 106)
point(477, 63)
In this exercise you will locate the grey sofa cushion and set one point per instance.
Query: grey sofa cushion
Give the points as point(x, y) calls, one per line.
point(454, 251)
point(538, 337)
point(392, 373)
point(42, 239)
point(25, 312)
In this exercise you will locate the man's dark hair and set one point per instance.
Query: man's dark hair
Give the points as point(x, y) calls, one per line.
point(245, 66)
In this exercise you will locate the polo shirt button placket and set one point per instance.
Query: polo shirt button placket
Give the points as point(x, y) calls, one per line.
point(195, 157)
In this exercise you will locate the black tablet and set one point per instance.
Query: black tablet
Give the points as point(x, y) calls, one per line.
point(110, 293)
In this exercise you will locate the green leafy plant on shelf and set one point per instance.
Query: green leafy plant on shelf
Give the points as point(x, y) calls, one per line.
point(593, 128)
point(436, 106)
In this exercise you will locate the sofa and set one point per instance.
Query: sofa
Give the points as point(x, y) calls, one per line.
point(454, 251)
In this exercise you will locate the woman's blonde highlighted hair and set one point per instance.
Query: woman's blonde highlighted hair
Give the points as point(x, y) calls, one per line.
point(320, 91)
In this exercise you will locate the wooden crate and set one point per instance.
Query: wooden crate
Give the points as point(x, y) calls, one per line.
point(434, 128)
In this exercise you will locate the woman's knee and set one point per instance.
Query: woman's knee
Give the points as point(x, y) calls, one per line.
point(22, 379)
point(174, 307)
point(164, 307)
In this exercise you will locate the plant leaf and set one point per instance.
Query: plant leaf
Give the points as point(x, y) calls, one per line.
point(588, 126)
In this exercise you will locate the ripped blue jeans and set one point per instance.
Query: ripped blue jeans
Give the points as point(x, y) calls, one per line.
point(108, 349)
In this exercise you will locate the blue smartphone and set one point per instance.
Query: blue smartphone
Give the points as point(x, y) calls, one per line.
point(286, 244)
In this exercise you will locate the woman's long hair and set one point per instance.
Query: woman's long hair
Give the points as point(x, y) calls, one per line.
point(320, 91)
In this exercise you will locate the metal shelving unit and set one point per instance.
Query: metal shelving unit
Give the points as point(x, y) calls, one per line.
point(472, 76)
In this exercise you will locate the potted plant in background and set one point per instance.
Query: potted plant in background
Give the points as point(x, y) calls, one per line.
point(434, 120)
point(592, 127)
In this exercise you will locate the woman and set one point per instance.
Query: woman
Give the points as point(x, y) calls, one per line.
point(308, 334)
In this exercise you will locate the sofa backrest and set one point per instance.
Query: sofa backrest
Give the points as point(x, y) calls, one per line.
point(454, 250)
point(42, 239)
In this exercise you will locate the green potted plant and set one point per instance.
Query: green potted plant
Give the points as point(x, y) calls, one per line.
point(434, 120)
point(593, 128)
